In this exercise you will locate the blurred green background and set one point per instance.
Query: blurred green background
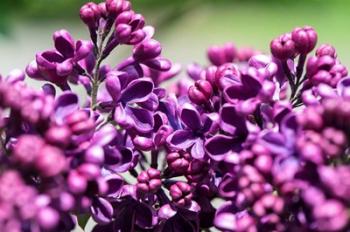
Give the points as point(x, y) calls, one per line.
point(185, 27)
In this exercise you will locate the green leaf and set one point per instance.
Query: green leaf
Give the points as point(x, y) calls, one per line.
point(83, 220)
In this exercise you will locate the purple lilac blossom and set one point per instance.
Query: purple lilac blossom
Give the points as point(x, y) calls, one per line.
point(266, 134)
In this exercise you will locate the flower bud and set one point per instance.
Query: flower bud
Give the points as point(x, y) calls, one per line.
point(305, 39)
point(79, 122)
point(283, 47)
point(90, 14)
point(95, 155)
point(27, 149)
point(159, 64)
point(200, 92)
point(113, 84)
point(50, 161)
point(209, 74)
point(219, 55)
point(194, 71)
point(181, 194)
point(226, 75)
point(15, 76)
point(115, 7)
point(326, 50)
point(178, 162)
point(76, 183)
point(245, 53)
point(148, 181)
point(48, 218)
point(149, 49)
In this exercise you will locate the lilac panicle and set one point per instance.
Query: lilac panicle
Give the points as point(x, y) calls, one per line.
point(266, 134)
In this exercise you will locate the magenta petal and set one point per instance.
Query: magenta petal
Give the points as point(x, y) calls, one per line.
point(15, 76)
point(181, 140)
point(65, 68)
point(33, 71)
point(197, 150)
point(138, 90)
point(104, 135)
point(166, 212)
point(190, 117)
point(83, 49)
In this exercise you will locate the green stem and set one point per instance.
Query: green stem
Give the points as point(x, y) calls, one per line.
point(96, 75)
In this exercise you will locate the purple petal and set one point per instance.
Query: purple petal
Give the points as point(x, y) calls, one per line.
point(197, 150)
point(65, 104)
point(120, 160)
point(190, 117)
point(145, 216)
point(181, 139)
point(64, 43)
point(160, 64)
point(104, 135)
point(121, 117)
point(211, 123)
point(142, 120)
point(83, 49)
point(231, 122)
point(218, 146)
point(48, 59)
point(115, 183)
point(166, 212)
point(101, 211)
point(228, 186)
point(276, 143)
point(343, 87)
point(113, 85)
point(151, 103)
point(137, 91)
point(65, 68)
point(104, 228)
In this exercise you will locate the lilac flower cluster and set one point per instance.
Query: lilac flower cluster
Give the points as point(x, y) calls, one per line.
point(265, 136)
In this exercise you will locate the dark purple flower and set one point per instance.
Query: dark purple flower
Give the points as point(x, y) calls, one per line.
point(196, 127)
point(58, 65)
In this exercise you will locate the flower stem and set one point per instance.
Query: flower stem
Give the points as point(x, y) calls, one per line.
point(96, 75)
point(290, 78)
point(154, 159)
